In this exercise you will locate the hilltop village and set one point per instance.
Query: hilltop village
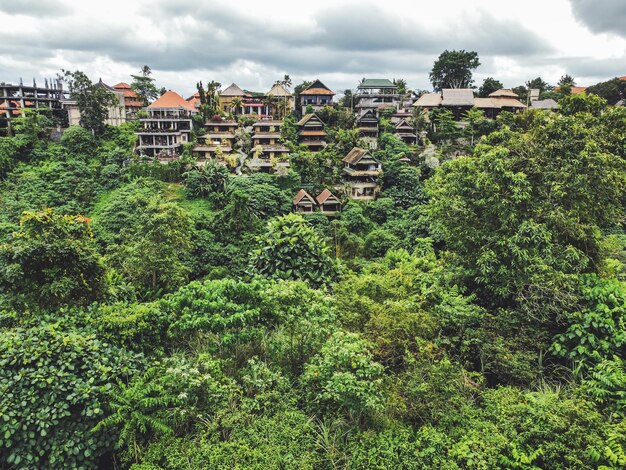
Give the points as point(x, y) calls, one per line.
point(250, 131)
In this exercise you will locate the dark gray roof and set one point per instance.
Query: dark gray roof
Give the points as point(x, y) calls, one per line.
point(544, 104)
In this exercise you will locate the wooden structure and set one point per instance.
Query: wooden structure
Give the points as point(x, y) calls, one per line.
point(312, 133)
point(268, 152)
point(317, 95)
point(367, 123)
point(404, 131)
point(167, 127)
point(218, 140)
point(280, 101)
point(361, 170)
point(376, 93)
point(329, 203)
point(303, 202)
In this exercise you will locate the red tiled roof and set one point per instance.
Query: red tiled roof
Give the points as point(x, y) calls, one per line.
point(316, 91)
point(578, 89)
point(171, 99)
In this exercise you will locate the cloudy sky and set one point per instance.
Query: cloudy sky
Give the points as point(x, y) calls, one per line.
point(253, 43)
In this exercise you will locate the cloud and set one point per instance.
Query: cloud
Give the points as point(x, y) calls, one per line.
point(605, 16)
point(35, 8)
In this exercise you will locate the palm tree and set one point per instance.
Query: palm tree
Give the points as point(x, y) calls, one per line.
point(236, 105)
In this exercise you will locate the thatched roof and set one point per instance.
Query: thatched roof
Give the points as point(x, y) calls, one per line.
point(302, 194)
point(356, 155)
point(457, 97)
point(497, 103)
point(279, 90)
point(428, 100)
point(317, 88)
point(325, 195)
point(544, 104)
point(503, 93)
point(308, 117)
point(233, 90)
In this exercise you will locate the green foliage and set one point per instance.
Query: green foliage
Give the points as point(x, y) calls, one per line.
point(78, 141)
point(51, 386)
point(581, 103)
point(290, 249)
point(344, 377)
point(612, 90)
point(598, 331)
point(52, 261)
point(453, 69)
point(208, 179)
point(489, 85)
point(144, 86)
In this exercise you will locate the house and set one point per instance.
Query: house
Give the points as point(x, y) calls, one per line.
point(498, 101)
point(317, 95)
point(428, 101)
point(404, 131)
point(360, 172)
point(367, 123)
point(116, 113)
point(132, 102)
point(303, 202)
point(167, 127)
point(375, 94)
point(15, 98)
point(312, 132)
point(544, 104)
point(281, 101)
point(328, 202)
point(227, 96)
point(457, 100)
point(267, 148)
point(218, 140)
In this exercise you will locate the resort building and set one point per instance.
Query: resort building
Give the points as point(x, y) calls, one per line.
point(361, 170)
point(218, 140)
point(132, 101)
point(367, 123)
point(312, 132)
point(231, 99)
point(167, 127)
point(280, 101)
point(116, 113)
point(498, 101)
point(303, 202)
point(267, 150)
point(329, 203)
point(317, 95)
point(375, 94)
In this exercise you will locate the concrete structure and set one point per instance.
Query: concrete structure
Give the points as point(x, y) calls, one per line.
point(167, 127)
point(317, 95)
point(375, 94)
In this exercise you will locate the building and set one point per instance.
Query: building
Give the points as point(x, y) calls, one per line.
point(132, 102)
point(317, 95)
point(404, 131)
point(15, 98)
point(329, 204)
point(457, 100)
point(231, 94)
point(303, 202)
point(116, 113)
point(268, 152)
point(167, 127)
point(218, 140)
point(375, 94)
point(367, 123)
point(498, 101)
point(280, 101)
point(360, 171)
point(427, 102)
point(312, 133)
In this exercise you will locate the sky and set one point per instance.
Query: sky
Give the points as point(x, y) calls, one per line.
point(255, 43)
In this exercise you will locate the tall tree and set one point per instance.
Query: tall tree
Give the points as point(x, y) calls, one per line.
point(144, 85)
point(453, 69)
point(52, 260)
point(489, 85)
point(93, 101)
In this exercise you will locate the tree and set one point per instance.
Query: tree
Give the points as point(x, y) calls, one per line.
point(453, 69)
point(344, 377)
point(52, 261)
point(153, 251)
point(291, 249)
point(93, 101)
point(524, 210)
point(539, 84)
point(612, 90)
point(582, 103)
point(401, 84)
point(144, 86)
point(489, 86)
point(205, 180)
point(52, 381)
point(566, 81)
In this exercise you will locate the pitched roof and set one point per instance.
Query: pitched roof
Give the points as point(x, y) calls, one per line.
point(376, 83)
point(457, 97)
point(317, 88)
point(428, 100)
point(577, 89)
point(355, 155)
point(233, 90)
point(544, 104)
point(171, 99)
point(497, 103)
point(278, 90)
point(324, 195)
point(122, 86)
point(503, 93)
point(307, 117)
point(301, 195)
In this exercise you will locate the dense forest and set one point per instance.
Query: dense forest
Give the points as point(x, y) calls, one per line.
point(178, 317)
